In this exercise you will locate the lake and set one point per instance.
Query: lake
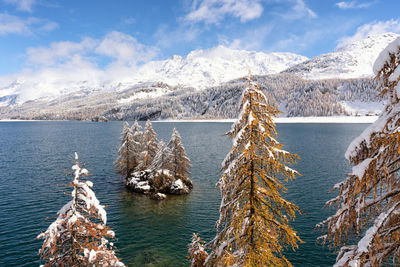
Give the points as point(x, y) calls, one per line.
point(35, 156)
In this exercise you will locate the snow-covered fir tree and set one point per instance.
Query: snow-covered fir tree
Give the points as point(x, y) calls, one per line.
point(163, 159)
point(149, 147)
point(366, 225)
point(253, 227)
point(197, 252)
point(125, 162)
point(138, 143)
point(79, 236)
point(180, 162)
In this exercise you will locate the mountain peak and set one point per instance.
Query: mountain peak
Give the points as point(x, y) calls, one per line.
point(353, 60)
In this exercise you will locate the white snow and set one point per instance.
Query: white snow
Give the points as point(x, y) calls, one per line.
point(384, 55)
point(92, 255)
point(177, 185)
point(363, 108)
point(359, 170)
point(352, 61)
point(198, 69)
point(143, 185)
point(155, 92)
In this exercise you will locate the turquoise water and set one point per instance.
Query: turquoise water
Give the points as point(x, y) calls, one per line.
point(35, 155)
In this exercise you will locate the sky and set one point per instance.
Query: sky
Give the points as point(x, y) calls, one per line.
point(38, 35)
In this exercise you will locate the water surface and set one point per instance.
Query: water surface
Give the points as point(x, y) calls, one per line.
point(34, 158)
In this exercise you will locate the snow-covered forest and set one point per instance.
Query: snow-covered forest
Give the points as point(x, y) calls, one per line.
point(288, 92)
point(151, 166)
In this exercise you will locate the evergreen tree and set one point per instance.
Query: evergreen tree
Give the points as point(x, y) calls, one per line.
point(253, 227)
point(368, 204)
point(180, 162)
point(138, 143)
point(149, 147)
point(197, 252)
point(125, 161)
point(163, 158)
point(79, 235)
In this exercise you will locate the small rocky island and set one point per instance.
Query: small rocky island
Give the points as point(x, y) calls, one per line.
point(151, 166)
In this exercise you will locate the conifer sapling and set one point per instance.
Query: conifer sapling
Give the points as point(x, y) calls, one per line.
point(79, 236)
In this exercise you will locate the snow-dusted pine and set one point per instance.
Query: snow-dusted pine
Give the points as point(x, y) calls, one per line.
point(197, 252)
point(79, 236)
point(149, 147)
point(180, 163)
point(366, 225)
point(163, 159)
point(253, 227)
point(126, 160)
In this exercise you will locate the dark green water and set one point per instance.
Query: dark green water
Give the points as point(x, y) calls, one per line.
point(34, 155)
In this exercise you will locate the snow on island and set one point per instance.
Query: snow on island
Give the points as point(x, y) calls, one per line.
point(151, 166)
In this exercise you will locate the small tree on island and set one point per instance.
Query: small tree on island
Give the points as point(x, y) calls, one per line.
point(368, 203)
point(149, 147)
point(126, 159)
point(253, 228)
point(138, 143)
point(180, 163)
point(79, 235)
point(163, 159)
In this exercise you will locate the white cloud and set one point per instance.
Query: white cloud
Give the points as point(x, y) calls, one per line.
point(59, 52)
point(353, 4)
point(13, 25)
point(214, 11)
point(252, 39)
point(10, 24)
point(125, 48)
point(373, 28)
point(70, 66)
point(298, 10)
point(23, 5)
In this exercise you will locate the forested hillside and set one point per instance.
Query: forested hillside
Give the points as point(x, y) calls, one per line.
point(293, 95)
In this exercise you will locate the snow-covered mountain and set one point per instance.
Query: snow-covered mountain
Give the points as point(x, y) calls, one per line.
point(204, 68)
point(198, 69)
point(351, 61)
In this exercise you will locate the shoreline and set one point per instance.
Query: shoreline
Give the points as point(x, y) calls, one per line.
point(327, 119)
point(330, 119)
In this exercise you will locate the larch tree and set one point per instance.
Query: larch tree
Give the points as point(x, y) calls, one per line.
point(138, 143)
point(149, 147)
point(180, 162)
point(197, 252)
point(163, 158)
point(125, 162)
point(253, 227)
point(79, 236)
point(366, 225)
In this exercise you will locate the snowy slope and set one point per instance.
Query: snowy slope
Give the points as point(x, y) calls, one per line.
point(204, 68)
point(198, 69)
point(352, 61)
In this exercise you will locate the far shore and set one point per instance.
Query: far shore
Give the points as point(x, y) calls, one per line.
point(327, 119)
point(330, 119)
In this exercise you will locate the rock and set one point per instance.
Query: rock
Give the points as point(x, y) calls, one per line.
point(99, 119)
point(158, 196)
point(162, 182)
point(179, 188)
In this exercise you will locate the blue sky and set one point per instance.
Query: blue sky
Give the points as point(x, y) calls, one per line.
point(36, 34)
